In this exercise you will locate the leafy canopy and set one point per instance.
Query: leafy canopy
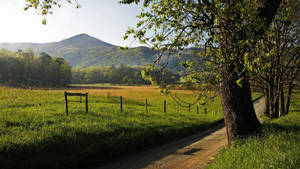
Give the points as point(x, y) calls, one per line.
point(45, 7)
point(225, 30)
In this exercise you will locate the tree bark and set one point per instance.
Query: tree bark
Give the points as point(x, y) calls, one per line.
point(267, 102)
point(288, 98)
point(282, 107)
point(276, 107)
point(239, 113)
point(271, 100)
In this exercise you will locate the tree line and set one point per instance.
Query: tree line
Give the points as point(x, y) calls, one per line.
point(24, 68)
point(276, 65)
point(118, 75)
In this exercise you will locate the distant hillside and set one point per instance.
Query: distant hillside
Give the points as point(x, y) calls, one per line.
point(83, 50)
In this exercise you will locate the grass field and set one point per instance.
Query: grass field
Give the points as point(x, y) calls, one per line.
point(36, 133)
point(278, 148)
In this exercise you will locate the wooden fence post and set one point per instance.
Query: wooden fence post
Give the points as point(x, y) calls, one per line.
point(205, 111)
point(77, 94)
point(189, 107)
point(197, 108)
point(146, 105)
point(121, 103)
point(66, 100)
point(165, 106)
point(86, 103)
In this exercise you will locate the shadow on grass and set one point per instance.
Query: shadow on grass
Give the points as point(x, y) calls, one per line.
point(81, 149)
point(281, 128)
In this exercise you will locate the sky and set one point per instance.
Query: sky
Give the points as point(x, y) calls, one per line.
point(106, 20)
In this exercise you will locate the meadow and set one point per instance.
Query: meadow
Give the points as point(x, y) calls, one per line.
point(277, 148)
point(36, 133)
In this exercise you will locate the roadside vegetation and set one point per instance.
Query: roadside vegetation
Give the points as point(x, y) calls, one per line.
point(36, 133)
point(278, 147)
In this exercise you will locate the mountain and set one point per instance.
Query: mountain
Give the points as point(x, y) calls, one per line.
point(83, 50)
point(84, 41)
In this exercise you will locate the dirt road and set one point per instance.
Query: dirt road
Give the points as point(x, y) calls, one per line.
point(259, 106)
point(193, 152)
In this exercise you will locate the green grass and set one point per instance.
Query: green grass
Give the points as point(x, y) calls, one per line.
point(36, 133)
point(278, 148)
point(256, 96)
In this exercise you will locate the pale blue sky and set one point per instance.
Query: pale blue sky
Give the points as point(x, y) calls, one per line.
point(104, 19)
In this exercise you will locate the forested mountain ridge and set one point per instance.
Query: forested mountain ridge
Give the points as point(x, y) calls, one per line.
point(83, 51)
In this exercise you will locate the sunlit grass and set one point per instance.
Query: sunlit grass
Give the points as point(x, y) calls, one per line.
point(278, 148)
point(35, 131)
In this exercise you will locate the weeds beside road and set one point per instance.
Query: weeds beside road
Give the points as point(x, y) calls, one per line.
point(278, 148)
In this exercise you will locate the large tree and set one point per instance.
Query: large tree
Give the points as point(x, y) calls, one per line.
point(225, 29)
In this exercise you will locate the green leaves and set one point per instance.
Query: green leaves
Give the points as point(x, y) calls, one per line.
point(45, 7)
point(44, 21)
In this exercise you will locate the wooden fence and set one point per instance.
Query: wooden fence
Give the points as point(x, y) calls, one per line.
point(121, 104)
point(77, 94)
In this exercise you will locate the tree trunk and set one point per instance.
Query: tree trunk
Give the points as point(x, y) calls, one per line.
point(239, 113)
point(271, 100)
point(288, 98)
point(267, 102)
point(276, 107)
point(274, 99)
point(282, 107)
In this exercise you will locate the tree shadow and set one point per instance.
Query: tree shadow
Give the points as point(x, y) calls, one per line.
point(77, 148)
point(281, 128)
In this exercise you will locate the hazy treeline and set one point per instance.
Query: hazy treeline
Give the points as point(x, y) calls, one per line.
point(116, 75)
point(24, 68)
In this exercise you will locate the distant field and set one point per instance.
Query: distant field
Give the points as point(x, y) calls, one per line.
point(36, 133)
point(279, 146)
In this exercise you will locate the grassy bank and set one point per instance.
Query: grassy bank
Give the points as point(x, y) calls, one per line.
point(279, 147)
point(36, 133)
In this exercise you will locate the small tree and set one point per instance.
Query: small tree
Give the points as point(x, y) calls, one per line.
point(276, 64)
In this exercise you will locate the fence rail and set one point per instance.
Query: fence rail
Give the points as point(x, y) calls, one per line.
point(146, 104)
point(76, 94)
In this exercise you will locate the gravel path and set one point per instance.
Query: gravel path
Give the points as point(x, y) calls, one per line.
point(193, 152)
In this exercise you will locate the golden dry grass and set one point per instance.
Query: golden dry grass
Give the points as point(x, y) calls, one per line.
point(138, 93)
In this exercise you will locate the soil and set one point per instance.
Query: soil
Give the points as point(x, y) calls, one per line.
point(192, 152)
